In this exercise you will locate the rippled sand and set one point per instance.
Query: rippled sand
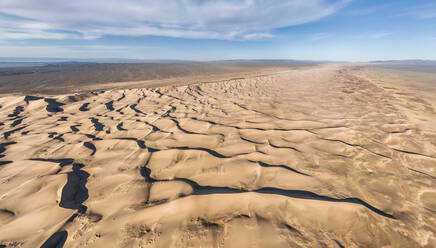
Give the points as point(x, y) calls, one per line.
point(314, 157)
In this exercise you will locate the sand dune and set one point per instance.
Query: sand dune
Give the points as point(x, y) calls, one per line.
point(321, 156)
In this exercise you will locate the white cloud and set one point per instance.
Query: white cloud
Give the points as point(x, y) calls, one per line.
point(421, 12)
point(374, 35)
point(210, 19)
point(320, 36)
point(368, 10)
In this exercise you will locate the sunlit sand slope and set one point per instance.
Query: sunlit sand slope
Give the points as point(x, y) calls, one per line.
point(314, 157)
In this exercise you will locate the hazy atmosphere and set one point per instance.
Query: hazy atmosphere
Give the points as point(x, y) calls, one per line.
point(217, 123)
point(351, 30)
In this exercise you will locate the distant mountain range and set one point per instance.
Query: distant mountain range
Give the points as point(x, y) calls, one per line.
point(407, 62)
point(29, 62)
point(25, 62)
point(7, 62)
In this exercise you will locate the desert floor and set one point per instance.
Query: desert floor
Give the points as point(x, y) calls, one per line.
point(322, 156)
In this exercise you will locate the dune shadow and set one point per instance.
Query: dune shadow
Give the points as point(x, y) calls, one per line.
point(75, 192)
point(53, 106)
point(57, 240)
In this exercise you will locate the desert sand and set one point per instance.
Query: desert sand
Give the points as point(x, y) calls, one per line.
point(321, 156)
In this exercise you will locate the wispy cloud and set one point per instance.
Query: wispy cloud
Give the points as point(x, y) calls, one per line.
point(365, 11)
point(208, 19)
point(320, 36)
point(421, 12)
point(373, 35)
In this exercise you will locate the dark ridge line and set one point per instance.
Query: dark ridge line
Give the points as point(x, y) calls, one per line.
point(59, 137)
point(120, 127)
point(339, 244)
point(417, 171)
point(4, 145)
point(53, 106)
point(168, 112)
point(397, 132)
point(170, 96)
point(74, 128)
point(284, 147)
point(145, 173)
point(159, 93)
point(302, 194)
point(332, 127)
point(7, 211)
point(52, 134)
point(109, 105)
point(5, 162)
point(210, 122)
point(139, 142)
point(84, 107)
point(413, 153)
point(93, 137)
point(250, 141)
point(280, 166)
point(62, 162)
point(27, 99)
point(262, 113)
point(181, 128)
point(17, 111)
point(90, 146)
point(63, 118)
point(17, 122)
point(57, 240)
point(298, 194)
point(339, 155)
point(119, 110)
point(133, 107)
point(122, 97)
point(72, 99)
point(197, 89)
point(150, 149)
point(211, 152)
point(190, 94)
point(355, 145)
point(254, 128)
point(97, 125)
point(9, 133)
point(292, 229)
point(153, 127)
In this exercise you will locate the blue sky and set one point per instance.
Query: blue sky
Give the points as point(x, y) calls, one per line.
point(352, 30)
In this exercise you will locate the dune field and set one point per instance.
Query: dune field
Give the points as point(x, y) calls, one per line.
point(318, 156)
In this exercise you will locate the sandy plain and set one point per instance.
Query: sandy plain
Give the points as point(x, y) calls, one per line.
point(320, 156)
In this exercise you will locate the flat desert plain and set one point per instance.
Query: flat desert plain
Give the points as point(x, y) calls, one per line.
point(317, 156)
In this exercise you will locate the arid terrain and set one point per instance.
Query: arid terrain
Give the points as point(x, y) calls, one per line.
point(74, 77)
point(316, 156)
